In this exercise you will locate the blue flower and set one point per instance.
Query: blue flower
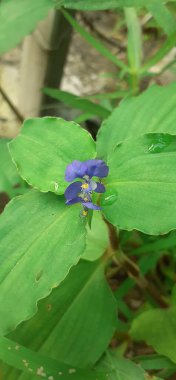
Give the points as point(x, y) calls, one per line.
point(81, 191)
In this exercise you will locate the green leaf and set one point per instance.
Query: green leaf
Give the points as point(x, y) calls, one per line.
point(46, 239)
point(75, 101)
point(8, 173)
point(37, 365)
point(154, 362)
point(122, 369)
point(90, 5)
point(161, 53)
point(45, 147)
point(72, 318)
point(18, 18)
point(146, 263)
point(158, 328)
point(163, 16)
point(152, 111)
point(162, 244)
point(102, 49)
point(97, 238)
point(141, 187)
point(134, 41)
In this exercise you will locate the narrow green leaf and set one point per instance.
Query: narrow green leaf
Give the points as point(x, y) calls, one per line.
point(158, 328)
point(83, 117)
point(162, 244)
point(75, 101)
point(39, 366)
point(102, 49)
point(109, 95)
point(154, 362)
point(163, 16)
point(90, 5)
point(37, 254)
point(161, 53)
point(134, 40)
point(141, 187)
point(152, 111)
point(18, 18)
point(72, 317)
point(45, 147)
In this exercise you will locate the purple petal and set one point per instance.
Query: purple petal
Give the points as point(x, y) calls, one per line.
point(73, 190)
point(97, 168)
point(100, 188)
point(75, 170)
point(73, 201)
point(91, 206)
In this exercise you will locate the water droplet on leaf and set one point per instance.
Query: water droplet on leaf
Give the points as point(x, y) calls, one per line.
point(109, 197)
point(159, 142)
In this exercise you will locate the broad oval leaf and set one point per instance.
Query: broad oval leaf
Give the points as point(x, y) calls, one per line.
point(70, 321)
point(152, 111)
point(158, 329)
point(141, 187)
point(45, 147)
point(18, 18)
point(46, 239)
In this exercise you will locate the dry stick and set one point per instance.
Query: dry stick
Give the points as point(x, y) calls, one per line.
point(11, 105)
point(132, 268)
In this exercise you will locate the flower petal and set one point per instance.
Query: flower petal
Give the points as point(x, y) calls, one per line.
point(93, 185)
point(100, 188)
point(73, 201)
point(91, 206)
point(76, 169)
point(73, 190)
point(97, 168)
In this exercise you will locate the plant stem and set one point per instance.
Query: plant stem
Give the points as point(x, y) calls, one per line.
point(131, 268)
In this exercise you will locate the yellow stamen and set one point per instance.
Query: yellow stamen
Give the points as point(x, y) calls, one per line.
point(85, 186)
point(84, 213)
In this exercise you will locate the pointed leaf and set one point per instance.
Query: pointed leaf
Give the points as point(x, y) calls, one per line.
point(46, 239)
point(163, 16)
point(152, 111)
point(45, 147)
point(77, 102)
point(141, 187)
point(99, 46)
